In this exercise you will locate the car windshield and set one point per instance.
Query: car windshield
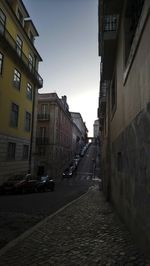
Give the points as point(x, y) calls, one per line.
point(44, 178)
point(66, 170)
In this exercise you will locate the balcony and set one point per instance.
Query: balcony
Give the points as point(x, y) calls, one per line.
point(102, 98)
point(103, 90)
point(110, 27)
point(43, 117)
point(42, 141)
point(9, 44)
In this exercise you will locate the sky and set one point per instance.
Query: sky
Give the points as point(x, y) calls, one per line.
point(68, 45)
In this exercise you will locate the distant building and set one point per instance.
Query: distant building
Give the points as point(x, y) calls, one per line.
point(78, 120)
point(96, 129)
point(124, 111)
point(54, 135)
point(19, 82)
point(76, 139)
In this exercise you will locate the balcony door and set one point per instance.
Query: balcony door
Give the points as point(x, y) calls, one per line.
point(44, 109)
point(19, 44)
point(42, 132)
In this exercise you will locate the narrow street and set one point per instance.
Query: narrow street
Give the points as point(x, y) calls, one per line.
point(20, 212)
point(71, 73)
point(85, 232)
point(74, 225)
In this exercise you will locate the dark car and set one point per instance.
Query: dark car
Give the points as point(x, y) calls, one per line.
point(19, 184)
point(68, 172)
point(45, 183)
point(76, 161)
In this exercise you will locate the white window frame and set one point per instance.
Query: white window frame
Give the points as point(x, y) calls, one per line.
point(19, 44)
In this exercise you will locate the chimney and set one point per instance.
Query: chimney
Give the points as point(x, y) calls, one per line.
point(64, 99)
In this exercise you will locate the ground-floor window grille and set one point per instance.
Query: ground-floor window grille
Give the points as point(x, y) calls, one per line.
point(11, 151)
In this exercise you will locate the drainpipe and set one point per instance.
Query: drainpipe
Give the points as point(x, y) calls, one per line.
point(109, 149)
point(32, 130)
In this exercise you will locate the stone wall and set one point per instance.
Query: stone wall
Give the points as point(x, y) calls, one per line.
point(130, 183)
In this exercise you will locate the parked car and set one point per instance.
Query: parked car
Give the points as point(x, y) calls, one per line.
point(68, 172)
point(83, 151)
point(45, 183)
point(76, 161)
point(19, 184)
point(72, 166)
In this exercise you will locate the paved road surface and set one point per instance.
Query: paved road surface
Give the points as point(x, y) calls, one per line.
point(19, 212)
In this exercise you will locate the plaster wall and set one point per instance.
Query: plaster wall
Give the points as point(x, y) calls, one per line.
point(130, 138)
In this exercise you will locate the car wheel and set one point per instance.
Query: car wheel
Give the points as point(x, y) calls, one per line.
point(53, 188)
point(35, 190)
point(23, 190)
point(44, 189)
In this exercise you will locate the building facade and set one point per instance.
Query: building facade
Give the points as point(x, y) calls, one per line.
point(124, 111)
point(19, 81)
point(96, 129)
point(76, 139)
point(54, 135)
point(78, 121)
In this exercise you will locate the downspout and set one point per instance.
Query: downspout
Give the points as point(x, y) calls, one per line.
point(32, 129)
point(109, 149)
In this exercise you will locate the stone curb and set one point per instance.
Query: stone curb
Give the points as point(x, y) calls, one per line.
point(29, 231)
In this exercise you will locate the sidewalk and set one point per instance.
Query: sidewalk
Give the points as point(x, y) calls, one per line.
point(85, 232)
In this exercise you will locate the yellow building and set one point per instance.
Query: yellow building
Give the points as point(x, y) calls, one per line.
point(19, 84)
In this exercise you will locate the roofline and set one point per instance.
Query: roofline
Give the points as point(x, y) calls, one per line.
point(25, 8)
point(30, 20)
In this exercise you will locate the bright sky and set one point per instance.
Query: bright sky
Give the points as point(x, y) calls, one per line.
point(68, 45)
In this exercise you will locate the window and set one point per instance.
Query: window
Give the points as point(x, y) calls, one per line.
point(20, 16)
point(17, 79)
point(2, 22)
point(110, 23)
point(31, 36)
point(14, 115)
point(19, 44)
point(132, 16)
point(42, 151)
point(1, 62)
point(44, 109)
point(119, 162)
point(44, 112)
point(11, 151)
point(30, 61)
point(42, 132)
point(28, 121)
point(113, 95)
point(29, 91)
point(25, 152)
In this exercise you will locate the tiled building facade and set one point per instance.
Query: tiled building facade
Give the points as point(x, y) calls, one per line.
point(78, 120)
point(54, 135)
point(124, 111)
point(19, 81)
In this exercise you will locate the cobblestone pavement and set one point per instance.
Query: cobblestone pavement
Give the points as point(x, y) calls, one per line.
point(85, 232)
point(13, 224)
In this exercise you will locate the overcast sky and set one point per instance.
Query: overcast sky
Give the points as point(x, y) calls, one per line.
point(68, 45)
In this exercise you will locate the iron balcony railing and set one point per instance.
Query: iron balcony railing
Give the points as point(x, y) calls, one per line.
point(110, 23)
point(43, 116)
point(103, 90)
point(5, 35)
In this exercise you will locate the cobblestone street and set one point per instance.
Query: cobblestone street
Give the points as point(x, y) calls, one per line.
point(85, 232)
